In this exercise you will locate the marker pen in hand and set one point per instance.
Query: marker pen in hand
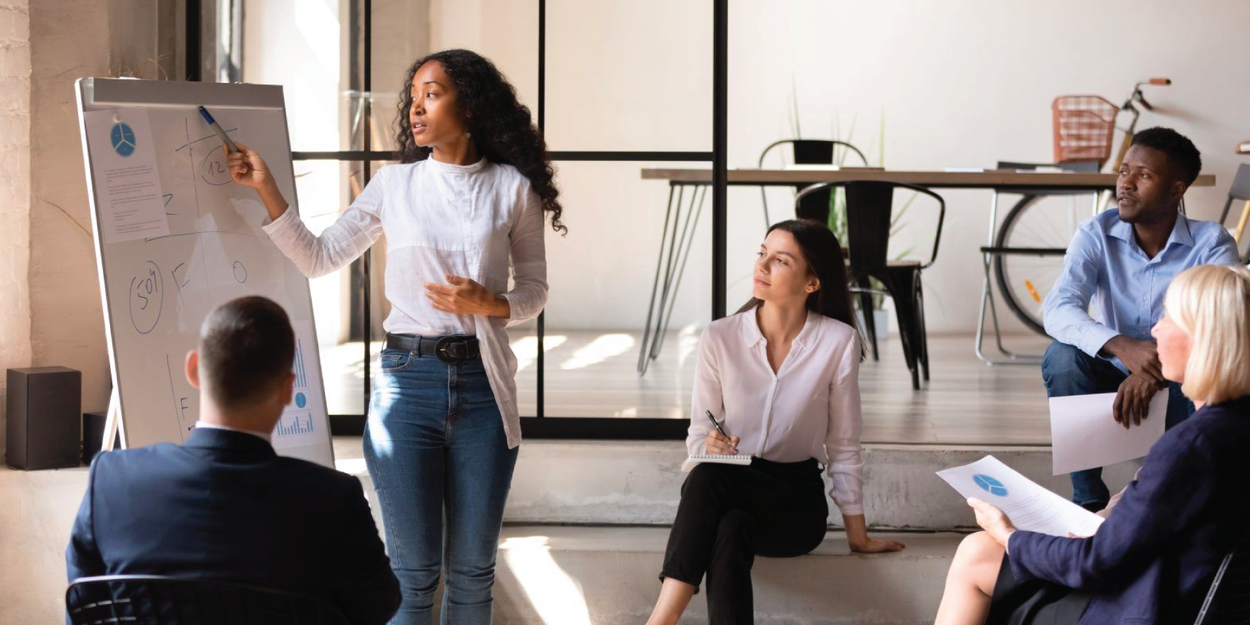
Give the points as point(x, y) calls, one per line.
point(212, 123)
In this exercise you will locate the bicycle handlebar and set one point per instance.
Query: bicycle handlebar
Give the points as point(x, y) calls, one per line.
point(1160, 81)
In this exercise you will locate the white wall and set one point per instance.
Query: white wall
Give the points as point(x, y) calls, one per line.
point(69, 39)
point(956, 84)
point(14, 192)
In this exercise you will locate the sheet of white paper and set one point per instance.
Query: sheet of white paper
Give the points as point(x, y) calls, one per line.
point(1029, 506)
point(297, 427)
point(127, 183)
point(1083, 434)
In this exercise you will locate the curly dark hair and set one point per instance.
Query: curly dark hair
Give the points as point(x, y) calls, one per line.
point(501, 126)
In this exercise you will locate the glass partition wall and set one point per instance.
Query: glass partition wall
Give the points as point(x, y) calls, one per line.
point(636, 278)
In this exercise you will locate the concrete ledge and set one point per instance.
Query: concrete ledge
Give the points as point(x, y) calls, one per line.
point(638, 482)
point(608, 576)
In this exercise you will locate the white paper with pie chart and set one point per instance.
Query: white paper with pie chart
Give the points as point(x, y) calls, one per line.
point(127, 181)
point(1028, 505)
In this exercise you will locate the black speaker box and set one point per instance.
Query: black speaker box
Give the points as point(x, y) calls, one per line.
point(42, 427)
point(93, 435)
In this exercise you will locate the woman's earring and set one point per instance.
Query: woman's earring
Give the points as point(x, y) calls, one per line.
point(468, 135)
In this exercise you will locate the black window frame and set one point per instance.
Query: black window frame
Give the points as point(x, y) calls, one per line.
point(538, 426)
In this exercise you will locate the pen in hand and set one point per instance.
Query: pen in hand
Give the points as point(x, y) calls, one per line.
point(725, 438)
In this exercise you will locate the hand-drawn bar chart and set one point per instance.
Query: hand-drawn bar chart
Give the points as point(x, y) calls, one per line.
point(298, 424)
point(301, 374)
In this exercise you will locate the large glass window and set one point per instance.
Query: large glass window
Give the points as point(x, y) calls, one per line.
point(601, 108)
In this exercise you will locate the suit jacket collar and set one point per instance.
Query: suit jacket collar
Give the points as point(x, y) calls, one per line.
point(226, 440)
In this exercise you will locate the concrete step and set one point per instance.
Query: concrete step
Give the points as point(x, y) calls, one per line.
point(608, 576)
point(638, 482)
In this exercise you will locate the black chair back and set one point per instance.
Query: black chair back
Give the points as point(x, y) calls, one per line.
point(869, 213)
point(1228, 600)
point(807, 152)
point(159, 600)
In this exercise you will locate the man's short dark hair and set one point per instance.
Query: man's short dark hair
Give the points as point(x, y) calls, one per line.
point(1183, 156)
point(246, 349)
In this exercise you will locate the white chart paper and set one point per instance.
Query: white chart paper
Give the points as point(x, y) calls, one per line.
point(297, 427)
point(1083, 434)
point(127, 182)
point(1029, 506)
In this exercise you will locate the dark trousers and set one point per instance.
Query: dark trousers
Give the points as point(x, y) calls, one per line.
point(1067, 371)
point(730, 514)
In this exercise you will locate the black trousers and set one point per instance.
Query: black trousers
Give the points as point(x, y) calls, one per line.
point(730, 514)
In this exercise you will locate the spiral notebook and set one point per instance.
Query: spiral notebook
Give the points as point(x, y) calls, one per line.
point(741, 460)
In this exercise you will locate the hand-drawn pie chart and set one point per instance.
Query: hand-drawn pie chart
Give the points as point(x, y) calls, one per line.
point(122, 139)
point(990, 485)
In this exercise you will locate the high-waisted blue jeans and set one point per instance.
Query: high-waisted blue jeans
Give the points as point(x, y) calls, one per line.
point(439, 460)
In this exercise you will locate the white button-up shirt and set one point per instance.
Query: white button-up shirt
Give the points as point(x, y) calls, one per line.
point(440, 219)
point(808, 409)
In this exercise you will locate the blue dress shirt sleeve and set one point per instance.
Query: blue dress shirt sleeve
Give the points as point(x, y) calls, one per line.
point(1065, 312)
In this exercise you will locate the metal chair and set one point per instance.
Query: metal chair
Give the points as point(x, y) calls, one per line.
point(869, 211)
point(161, 600)
point(1239, 191)
point(807, 152)
point(1228, 599)
point(675, 244)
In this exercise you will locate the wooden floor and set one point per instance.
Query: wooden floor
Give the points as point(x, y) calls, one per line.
point(592, 374)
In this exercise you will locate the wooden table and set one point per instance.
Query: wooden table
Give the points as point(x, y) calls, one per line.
point(675, 248)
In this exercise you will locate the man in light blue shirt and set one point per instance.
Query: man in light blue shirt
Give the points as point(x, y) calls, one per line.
point(1119, 266)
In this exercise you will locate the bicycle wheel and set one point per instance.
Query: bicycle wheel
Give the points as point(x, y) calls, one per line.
point(1041, 223)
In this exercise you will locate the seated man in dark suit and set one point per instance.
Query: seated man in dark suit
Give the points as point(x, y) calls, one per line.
point(223, 505)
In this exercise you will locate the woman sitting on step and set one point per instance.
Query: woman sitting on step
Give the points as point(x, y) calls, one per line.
point(1154, 558)
point(782, 378)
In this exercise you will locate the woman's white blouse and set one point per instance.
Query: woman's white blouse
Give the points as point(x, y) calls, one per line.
point(808, 409)
point(440, 219)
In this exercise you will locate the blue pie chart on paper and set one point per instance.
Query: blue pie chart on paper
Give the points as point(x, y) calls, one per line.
point(122, 139)
point(300, 400)
point(990, 485)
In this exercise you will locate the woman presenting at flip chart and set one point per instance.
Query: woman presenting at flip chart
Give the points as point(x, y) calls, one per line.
point(467, 200)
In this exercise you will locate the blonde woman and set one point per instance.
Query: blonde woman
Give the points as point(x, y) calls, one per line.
point(1153, 560)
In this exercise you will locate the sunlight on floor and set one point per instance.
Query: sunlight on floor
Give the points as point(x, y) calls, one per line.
point(351, 466)
point(604, 346)
point(526, 348)
point(552, 593)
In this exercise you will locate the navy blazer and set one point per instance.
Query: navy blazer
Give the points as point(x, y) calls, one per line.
point(224, 506)
point(1153, 559)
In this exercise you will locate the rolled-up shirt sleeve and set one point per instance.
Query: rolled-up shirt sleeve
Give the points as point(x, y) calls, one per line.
point(344, 241)
point(706, 396)
point(844, 461)
point(1065, 312)
point(528, 295)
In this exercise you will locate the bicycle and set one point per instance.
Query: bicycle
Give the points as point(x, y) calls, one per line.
point(1083, 130)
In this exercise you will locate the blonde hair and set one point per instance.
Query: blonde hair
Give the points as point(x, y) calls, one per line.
point(1211, 304)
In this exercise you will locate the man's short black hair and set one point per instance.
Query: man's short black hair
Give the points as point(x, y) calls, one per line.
point(246, 348)
point(1183, 156)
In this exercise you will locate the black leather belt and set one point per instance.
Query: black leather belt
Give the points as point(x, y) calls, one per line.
point(450, 349)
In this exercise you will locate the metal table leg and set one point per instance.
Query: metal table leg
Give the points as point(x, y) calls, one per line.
point(987, 302)
point(644, 348)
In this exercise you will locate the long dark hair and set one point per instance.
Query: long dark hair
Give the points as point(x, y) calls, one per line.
point(823, 254)
point(502, 127)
